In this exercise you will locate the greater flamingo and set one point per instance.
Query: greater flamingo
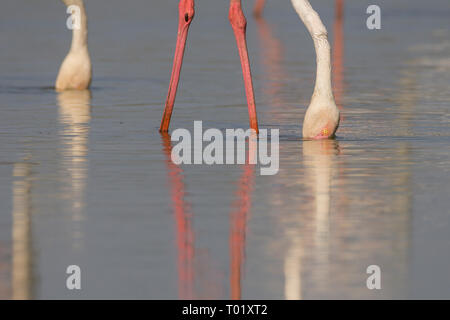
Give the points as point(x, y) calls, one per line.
point(76, 70)
point(322, 116)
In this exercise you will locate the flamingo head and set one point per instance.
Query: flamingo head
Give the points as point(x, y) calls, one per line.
point(321, 119)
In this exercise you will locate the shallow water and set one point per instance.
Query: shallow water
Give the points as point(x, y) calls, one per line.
point(85, 177)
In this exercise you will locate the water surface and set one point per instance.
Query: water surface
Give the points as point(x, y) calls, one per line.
point(86, 179)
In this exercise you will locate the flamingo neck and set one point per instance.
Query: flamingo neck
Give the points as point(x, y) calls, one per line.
point(322, 87)
point(318, 33)
point(80, 35)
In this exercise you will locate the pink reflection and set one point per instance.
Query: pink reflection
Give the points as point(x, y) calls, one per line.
point(184, 232)
point(238, 221)
point(272, 55)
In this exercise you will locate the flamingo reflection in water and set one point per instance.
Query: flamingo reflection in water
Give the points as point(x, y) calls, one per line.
point(74, 118)
point(21, 269)
point(187, 283)
point(318, 157)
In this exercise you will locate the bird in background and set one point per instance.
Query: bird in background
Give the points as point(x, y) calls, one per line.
point(76, 70)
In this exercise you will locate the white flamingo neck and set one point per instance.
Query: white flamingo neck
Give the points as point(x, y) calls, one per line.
point(318, 33)
point(322, 87)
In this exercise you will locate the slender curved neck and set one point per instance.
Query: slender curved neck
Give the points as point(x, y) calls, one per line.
point(80, 35)
point(318, 33)
point(323, 73)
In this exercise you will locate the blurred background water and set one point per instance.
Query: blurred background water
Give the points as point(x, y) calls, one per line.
point(85, 177)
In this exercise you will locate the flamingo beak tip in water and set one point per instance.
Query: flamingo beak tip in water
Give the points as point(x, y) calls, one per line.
point(329, 131)
point(321, 119)
point(325, 133)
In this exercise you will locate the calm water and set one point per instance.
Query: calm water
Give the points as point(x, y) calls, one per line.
point(85, 177)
